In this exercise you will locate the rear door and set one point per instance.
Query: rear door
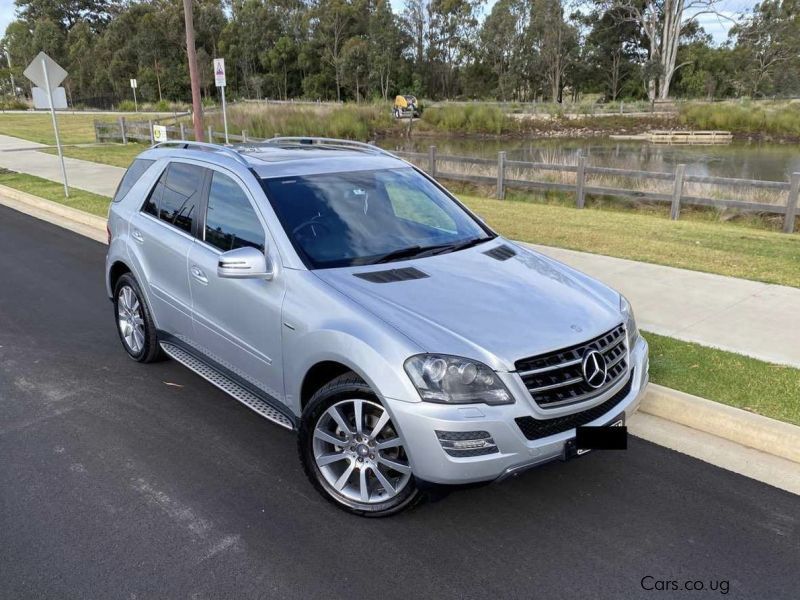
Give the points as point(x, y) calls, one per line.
point(162, 232)
point(237, 322)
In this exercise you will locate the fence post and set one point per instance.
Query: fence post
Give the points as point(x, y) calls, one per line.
point(122, 130)
point(150, 131)
point(791, 204)
point(622, 107)
point(677, 192)
point(183, 131)
point(210, 135)
point(501, 175)
point(432, 161)
point(580, 182)
point(244, 136)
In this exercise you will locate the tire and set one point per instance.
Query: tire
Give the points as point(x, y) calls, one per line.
point(358, 453)
point(135, 325)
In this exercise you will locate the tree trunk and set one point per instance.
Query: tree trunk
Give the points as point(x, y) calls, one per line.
point(158, 80)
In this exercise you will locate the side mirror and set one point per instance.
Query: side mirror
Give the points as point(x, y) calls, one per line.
point(245, 263)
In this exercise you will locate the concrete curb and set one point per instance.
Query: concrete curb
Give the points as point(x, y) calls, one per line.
point(73, 219)
point(735, 425)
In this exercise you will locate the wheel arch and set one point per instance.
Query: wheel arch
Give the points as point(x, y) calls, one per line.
point(117, 270)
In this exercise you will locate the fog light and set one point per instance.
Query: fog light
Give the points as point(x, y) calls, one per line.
point(467, 443)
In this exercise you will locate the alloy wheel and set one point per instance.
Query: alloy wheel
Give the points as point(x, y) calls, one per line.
point(359, 452)
point(130, 319)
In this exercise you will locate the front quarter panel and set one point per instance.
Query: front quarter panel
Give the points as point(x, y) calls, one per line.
point(320, 324)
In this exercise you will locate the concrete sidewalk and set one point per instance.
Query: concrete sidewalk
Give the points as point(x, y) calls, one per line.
point(22, 156)
point(756, 319)
point(747, 317)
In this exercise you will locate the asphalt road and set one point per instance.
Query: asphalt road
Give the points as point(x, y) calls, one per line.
point(120, 480)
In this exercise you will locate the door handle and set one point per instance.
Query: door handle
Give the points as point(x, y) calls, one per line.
point(137, 235)
point(198, 274)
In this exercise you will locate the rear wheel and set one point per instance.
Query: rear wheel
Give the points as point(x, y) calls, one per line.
point(135, 325)
point(352, 452)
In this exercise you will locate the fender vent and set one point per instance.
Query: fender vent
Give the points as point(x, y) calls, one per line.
point(501, 252)
point(392, 275)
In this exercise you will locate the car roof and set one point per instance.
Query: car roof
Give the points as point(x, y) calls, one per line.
point(282, 157)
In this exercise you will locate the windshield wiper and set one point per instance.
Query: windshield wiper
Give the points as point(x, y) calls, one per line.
point(462, 245)
point(398, 254)
point(410, 252)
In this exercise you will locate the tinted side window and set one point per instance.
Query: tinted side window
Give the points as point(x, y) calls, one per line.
point(151, 204)
point(231, 221)
point(178, 203)
point(132, 175)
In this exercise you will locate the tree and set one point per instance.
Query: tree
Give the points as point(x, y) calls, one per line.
point(767, 41)
point(451, 40)
point(662, 23)
point(556, 42)
point(332, 20)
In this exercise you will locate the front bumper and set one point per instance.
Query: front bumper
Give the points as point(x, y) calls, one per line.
point(419, 421)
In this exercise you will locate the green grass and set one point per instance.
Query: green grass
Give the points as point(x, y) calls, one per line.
point(50, 190)
point(72, 128)
point(118, 155)
point(753, 385)
point(712, 247)
point(38, 127)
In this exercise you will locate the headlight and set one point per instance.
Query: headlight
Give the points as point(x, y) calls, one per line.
point(630, 321)
point(454, 380)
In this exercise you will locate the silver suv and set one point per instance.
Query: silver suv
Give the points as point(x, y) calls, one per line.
point(342, 293)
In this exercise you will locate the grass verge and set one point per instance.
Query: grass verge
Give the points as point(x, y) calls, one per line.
point(753, 385)
point(117, 155)
point(50, 190)
point(730, 249)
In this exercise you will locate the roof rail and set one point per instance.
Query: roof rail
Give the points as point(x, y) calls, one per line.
point(323, 141)
point(189, 145)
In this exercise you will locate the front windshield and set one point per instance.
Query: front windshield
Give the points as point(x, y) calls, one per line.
point(367, 217)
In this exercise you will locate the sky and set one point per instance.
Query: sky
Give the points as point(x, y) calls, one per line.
point(716, 26)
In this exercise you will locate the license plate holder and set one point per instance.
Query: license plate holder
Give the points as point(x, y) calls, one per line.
point(571, 449)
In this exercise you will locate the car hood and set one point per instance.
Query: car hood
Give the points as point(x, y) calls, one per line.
point(497, 311)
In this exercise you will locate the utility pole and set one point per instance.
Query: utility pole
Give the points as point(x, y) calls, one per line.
point(191, 54)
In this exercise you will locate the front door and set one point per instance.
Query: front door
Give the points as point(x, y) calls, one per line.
point(237, 322)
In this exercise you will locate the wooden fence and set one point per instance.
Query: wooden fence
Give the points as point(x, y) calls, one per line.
point(124, 131)
point(435, 164)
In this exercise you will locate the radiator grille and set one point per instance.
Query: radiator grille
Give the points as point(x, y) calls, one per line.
point(558, 378)
point(535, 429)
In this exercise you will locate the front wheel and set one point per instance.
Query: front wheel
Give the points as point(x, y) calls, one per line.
point(352, 452)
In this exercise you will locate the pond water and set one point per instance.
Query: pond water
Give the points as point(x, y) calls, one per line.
point(745, 160)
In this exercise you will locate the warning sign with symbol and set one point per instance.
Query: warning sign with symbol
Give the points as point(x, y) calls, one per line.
point(219, 72)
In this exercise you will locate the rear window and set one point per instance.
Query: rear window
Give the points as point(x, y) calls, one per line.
point(132, 175)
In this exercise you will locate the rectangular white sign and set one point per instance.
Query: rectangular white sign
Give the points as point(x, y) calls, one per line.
point(40, 98)
point(159, 133)
point(219, 72)
point(134, 84)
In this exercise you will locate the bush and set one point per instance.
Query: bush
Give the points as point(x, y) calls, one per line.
point(351, 121)
point(126, 106)
point(468, 118)
point(744, 117)
point(13, 104)
point(162, 106)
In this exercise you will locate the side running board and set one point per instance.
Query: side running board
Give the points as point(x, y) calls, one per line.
point(227, 385)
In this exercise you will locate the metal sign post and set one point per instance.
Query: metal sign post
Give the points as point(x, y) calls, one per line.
point(47, 74)
point(219, 80)
point(134, 85)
